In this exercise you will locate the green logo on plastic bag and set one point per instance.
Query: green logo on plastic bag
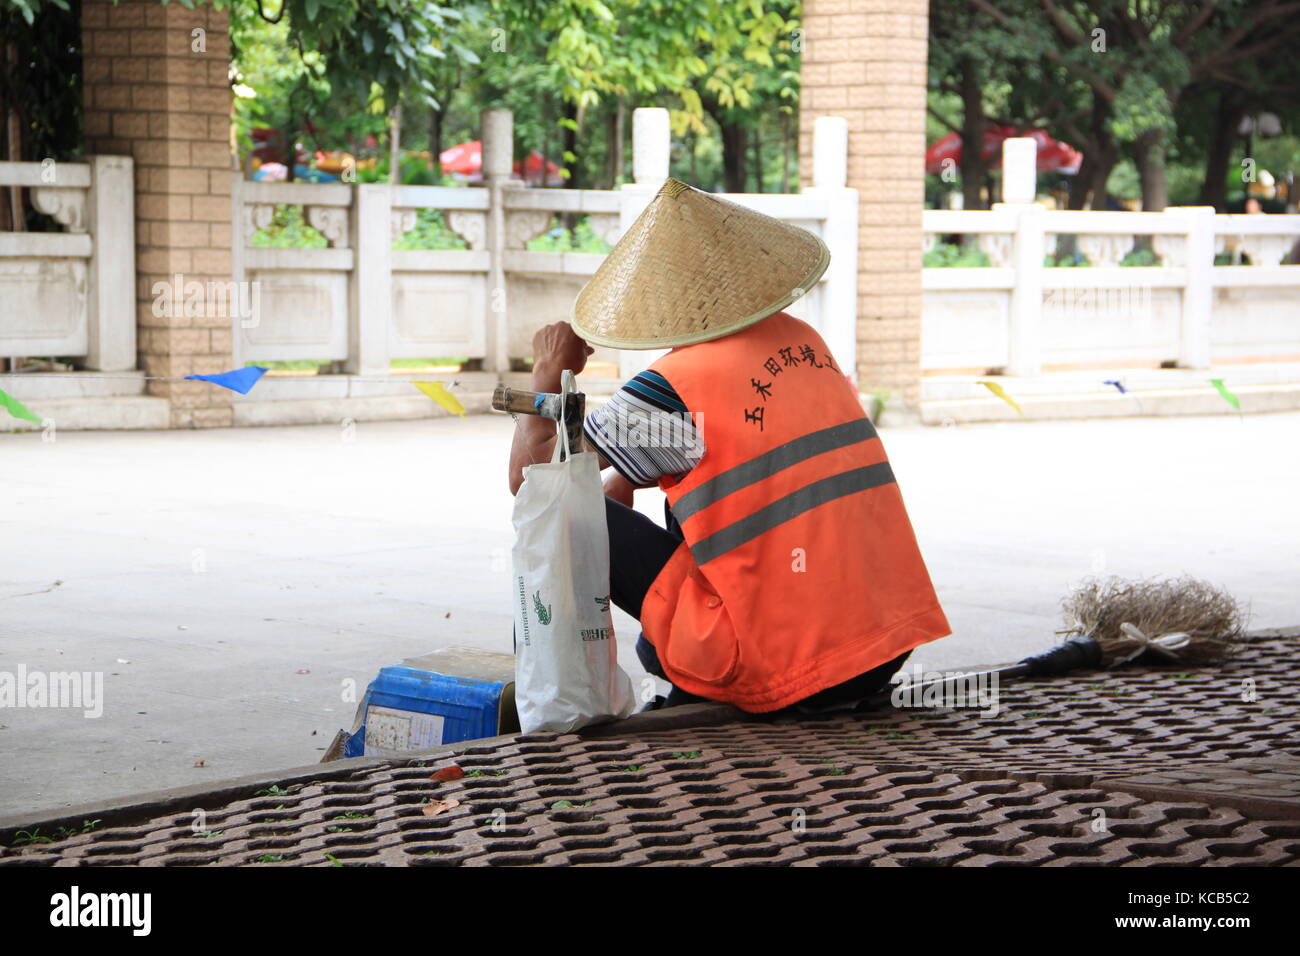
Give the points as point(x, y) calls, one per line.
point(543, 610)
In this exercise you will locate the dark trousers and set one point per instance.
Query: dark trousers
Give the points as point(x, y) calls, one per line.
point(638, 550)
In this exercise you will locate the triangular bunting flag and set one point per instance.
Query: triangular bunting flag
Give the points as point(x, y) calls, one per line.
point(997, 390)
point(238, 380)
point(438, 392)
point(1227, 395)
point(17, 409)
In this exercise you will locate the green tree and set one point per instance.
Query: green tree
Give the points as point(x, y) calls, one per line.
point(723, 58)
point(971, 66)
point(752, 74)
point(344, 62)
point(365, 47)
point(1139, 59)
point(40, 93)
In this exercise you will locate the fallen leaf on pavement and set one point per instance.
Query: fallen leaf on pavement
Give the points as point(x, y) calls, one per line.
point(447, 773)
point(440, 806)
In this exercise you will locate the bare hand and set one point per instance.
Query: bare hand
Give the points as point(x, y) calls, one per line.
point(557, 347)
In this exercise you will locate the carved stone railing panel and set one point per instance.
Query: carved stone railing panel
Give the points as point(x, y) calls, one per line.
point(1266, 250)
point(471, 226)
point(605, 225)
point(400, 222)
point(524, 225)
point(1105, 250)
point(67, 206)
point(331, 222)
point(1172, 250)
point(256, 217)
point(999, 247)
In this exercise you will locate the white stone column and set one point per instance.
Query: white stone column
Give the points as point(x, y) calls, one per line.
point(372, 281)
point(1019, 186)
point(1019, 169)
point(110, 213)
point(651, 144)
point(1026, 334)
point(651, 141)
point(498, 131)
point(1198, 294)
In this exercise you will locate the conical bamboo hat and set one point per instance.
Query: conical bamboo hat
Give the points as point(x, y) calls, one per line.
point(692, 268)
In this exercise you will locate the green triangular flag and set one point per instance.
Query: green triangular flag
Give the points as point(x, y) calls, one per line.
point(1227, 395)
point(17, 409)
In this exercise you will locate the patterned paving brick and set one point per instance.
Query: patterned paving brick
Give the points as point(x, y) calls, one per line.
point(1132, 768)
point(1263, 787)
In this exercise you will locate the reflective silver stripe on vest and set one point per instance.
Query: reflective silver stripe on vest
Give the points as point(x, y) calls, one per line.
point(791, 506)
point(769, 463)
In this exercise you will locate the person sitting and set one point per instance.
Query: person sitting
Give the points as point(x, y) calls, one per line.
point(787, 574)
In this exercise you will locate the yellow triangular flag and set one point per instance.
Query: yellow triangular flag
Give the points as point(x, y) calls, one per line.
point(438, 392)
point(997, 390)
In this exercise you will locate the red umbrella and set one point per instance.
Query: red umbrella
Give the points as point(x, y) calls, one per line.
point(1053, 155)
point(943, 149)
point(463, 158)
point(466, 159)
point(531, 171)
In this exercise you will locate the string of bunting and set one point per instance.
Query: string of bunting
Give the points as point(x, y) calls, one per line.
point(1219, 387)
point(239, 380)
point(1119, 387)
point(242, 380)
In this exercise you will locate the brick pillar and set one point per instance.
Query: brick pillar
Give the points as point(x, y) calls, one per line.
point(158, 91)
point(865, 60)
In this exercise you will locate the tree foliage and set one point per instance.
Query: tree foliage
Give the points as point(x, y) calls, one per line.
point(40, 60)
point(1118, 77)
point(334, 68)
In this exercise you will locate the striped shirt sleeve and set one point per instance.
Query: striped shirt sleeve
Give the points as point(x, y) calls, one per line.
point(645, 431)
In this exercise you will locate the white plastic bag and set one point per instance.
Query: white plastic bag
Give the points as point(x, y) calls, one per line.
point(566, 668)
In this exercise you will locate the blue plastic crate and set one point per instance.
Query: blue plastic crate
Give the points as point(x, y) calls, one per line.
point(459, 693)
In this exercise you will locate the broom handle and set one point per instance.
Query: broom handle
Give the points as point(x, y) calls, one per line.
point(1003, 673)
point(1078, 653)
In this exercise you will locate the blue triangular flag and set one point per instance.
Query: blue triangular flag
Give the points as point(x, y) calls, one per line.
point(239, 380)
point(1117, 384)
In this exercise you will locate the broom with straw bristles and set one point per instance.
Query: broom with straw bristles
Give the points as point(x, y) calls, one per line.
point(1182, 620)
point(1112, 621)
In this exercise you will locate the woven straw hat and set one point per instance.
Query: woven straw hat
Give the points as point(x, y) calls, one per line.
point(692, 268)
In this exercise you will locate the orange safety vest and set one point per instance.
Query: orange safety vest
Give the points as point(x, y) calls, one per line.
point(799, 569)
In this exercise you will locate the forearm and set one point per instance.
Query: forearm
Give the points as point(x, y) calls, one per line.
point(535, 436)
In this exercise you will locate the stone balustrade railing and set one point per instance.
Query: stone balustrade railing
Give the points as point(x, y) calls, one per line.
point(1022, 315)
point(71, 292)
point(362, 302)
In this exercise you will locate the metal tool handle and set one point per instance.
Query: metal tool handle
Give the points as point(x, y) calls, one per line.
point(519, 401)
